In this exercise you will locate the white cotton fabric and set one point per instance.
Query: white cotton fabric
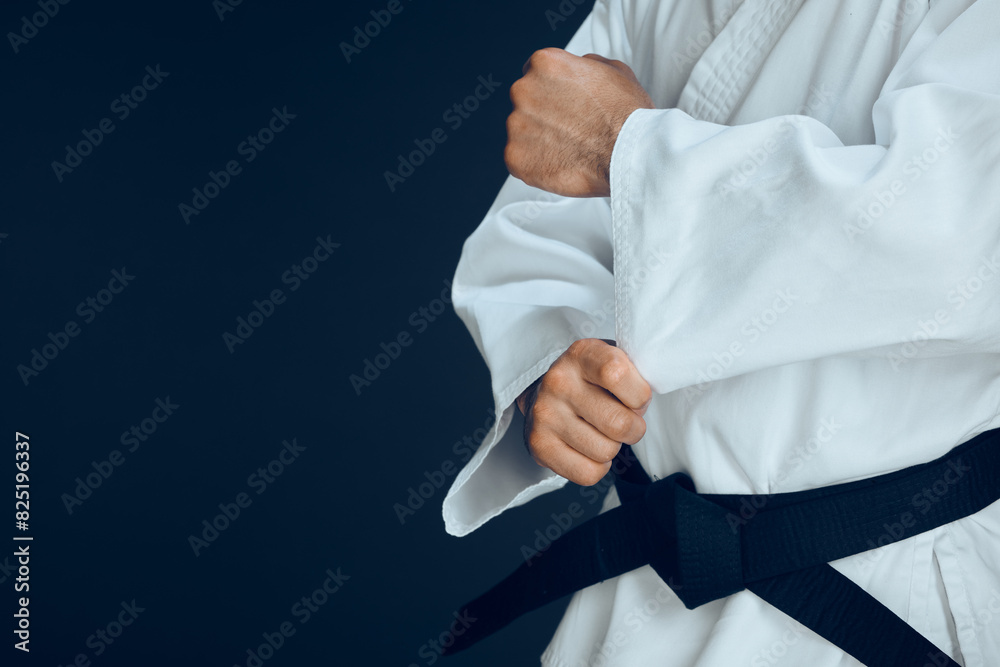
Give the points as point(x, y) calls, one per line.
point(801, 255)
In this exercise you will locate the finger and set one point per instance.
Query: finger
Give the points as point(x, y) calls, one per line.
point(585, 438)
point(553, 453)
point(601, 410)
point(599, 58)
point(540, 53)
point(610, 368)
point(547, 57)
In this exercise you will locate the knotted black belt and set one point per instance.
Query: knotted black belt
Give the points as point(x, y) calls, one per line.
point(709, 546)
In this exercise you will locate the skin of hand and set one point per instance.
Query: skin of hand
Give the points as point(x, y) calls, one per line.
point(568, 111)
point(581, 411)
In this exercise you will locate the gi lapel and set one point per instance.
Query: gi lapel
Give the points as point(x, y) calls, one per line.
point(729, 65)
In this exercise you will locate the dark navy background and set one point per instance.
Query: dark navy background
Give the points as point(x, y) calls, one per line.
point(161, 337)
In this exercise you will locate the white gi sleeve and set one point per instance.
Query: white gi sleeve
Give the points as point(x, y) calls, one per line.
point(534, 277)
point(889, 251)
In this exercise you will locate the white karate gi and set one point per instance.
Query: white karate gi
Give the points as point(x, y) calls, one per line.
point(801, 255)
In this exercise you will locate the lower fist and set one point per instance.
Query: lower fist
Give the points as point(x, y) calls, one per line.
point(578, 415)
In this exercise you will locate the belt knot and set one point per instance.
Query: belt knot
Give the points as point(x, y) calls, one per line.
point(698, 550)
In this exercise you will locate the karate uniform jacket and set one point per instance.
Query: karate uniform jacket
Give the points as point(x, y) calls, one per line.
point(801, 255)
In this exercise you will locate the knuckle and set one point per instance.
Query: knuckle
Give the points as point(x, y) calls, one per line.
point(616, 354)
point(645, 393)
point(516, 89)
point(613, 372)
point(581, 351)
point(640, 429)
point(546, 55)
point(516, 124)
point(542, 413)
point(618, 424)
point(609, 453)
point(593, 474)
point(636, 430)
point(556, 381)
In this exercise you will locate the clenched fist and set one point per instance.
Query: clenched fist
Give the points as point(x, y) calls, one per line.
point(568, 111)
point(577, 415)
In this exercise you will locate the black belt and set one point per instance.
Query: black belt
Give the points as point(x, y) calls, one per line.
point(709, 546)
